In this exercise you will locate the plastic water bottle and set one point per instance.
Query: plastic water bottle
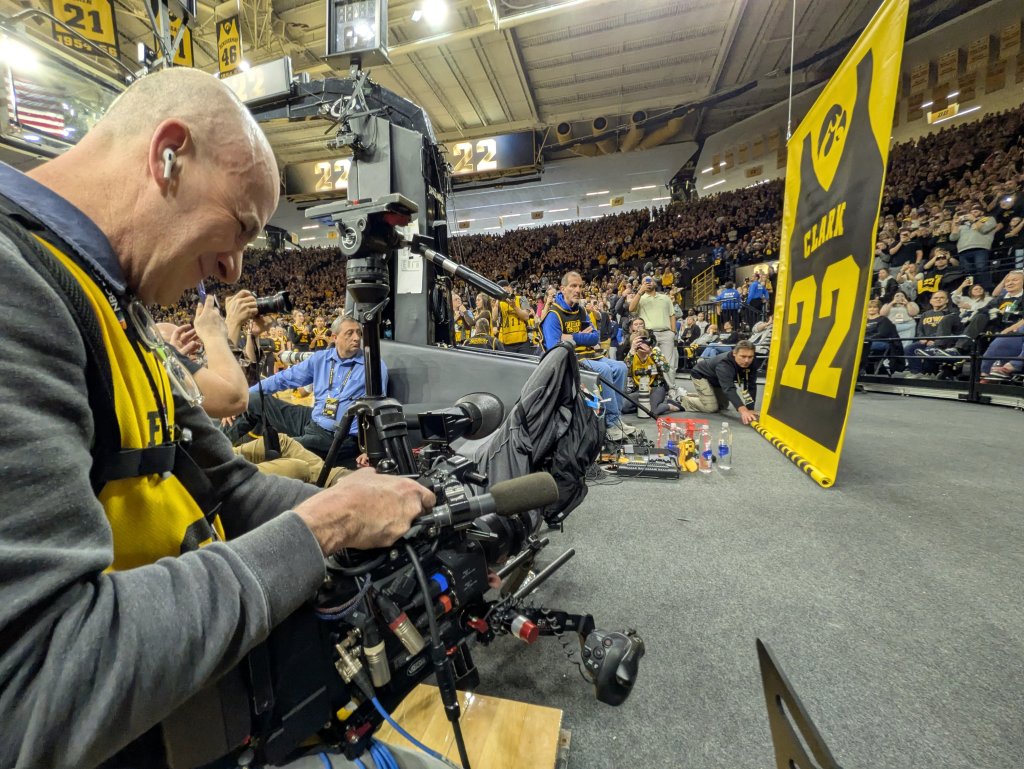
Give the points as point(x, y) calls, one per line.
point(725, 448)
point(704, 464)
point(673, 441)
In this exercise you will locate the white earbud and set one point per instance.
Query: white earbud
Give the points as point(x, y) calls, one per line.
point(168, 163)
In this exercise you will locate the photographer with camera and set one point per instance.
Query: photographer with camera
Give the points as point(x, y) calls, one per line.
point(225, 373)
point(659, 314)
point(111, 614)
point(338, 378)
point(645, 372)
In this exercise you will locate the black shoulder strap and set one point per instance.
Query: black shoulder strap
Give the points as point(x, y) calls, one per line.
point(16, 224)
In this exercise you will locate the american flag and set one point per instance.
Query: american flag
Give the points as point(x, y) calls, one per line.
point(37, 108)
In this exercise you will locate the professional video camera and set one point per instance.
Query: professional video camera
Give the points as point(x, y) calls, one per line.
point(385, 620)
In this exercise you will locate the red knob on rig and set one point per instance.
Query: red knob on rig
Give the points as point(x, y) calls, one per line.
point(523, 629)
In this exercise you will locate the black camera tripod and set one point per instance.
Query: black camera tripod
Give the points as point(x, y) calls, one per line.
point(368, 233)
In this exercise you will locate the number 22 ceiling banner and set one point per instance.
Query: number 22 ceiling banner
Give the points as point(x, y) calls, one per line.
point(834, 177)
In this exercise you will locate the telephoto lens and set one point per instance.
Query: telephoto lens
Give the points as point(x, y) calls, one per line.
point(279, 303)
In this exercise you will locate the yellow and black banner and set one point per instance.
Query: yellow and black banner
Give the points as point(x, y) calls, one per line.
point(92, 19)
point(183, 54)
point(834, 177)
point(229, 45)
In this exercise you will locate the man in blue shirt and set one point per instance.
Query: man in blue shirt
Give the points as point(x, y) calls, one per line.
point(338, 377)
point(730, 299)
point(757, 295)
point(566, 321)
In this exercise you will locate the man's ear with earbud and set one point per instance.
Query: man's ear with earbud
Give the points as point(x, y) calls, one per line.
point(169, 158)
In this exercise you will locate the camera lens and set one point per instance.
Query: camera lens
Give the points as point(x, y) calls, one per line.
point(278, 303)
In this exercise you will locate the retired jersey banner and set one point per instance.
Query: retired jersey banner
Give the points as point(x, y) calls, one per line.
point(93, 20)
point(834, 176)
point(183, 54)
point(229, 45)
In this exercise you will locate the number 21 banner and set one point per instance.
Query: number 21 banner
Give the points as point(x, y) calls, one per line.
point(834, 177)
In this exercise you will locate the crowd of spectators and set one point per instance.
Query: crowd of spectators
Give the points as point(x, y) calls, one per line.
point(957, 191)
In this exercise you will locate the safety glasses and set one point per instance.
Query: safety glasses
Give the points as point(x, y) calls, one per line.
point(182, 382)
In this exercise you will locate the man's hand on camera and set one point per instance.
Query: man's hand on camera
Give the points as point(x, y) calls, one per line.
point(237, 310)
point(364, 510)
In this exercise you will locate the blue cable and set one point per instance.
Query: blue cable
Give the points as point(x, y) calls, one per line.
point(327, 761)
point(394, 725)
point(360, 764)
point(382, 763)
point(387, 754)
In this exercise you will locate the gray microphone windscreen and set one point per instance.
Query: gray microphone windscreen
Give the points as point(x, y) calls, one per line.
point(518, 495)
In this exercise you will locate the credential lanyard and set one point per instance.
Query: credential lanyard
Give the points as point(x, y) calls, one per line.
point(330, 378)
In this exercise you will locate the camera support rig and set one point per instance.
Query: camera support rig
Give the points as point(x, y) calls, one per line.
point(370, 230)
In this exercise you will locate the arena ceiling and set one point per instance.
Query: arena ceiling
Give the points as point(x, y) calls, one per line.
point(498, 66)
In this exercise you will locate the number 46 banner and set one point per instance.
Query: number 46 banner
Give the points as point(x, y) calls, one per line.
point(834, 177)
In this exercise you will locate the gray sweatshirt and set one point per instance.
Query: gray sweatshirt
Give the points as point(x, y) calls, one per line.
point(966, 236)
point(90, 660)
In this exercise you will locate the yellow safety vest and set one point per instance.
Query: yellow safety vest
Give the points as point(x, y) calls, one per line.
point(512, 329)
point(571, 322)
point(151, 517)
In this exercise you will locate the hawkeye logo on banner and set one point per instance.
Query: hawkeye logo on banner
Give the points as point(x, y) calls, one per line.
point(834, 178)
point(92, 19)
point(229, 46)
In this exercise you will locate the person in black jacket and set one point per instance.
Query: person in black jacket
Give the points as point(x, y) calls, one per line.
point(881, 341)
point(939, 326)
point(727, 378)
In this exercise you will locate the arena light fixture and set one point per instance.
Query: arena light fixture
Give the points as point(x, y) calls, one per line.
point(952, 95)
point(927, 104)
point(722, 164)
point(311, 226)
point(17, 55)
point(645, 187)
point(491, 228)
point(667, 197)
point(557, 211)
point(434, 11)
point(708, 170)
point(510, 216)
point(605, 205)
point(599, 192)
point(303, 240)
point(244, 66)
point(715, 184)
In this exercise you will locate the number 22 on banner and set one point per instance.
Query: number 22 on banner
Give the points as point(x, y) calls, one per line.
point(839, 287)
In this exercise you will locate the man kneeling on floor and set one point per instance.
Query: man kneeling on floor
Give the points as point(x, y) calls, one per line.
point(730, 377)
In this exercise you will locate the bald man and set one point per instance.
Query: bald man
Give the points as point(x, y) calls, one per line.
point(127, 583)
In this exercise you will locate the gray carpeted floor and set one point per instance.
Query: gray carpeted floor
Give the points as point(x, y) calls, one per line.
point(891, 601)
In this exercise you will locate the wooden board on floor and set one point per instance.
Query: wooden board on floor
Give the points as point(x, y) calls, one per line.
point(499, 734)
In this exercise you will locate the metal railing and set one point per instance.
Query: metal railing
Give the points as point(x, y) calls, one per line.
point(745, 315)
point(703, 285)
point(958, 368)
